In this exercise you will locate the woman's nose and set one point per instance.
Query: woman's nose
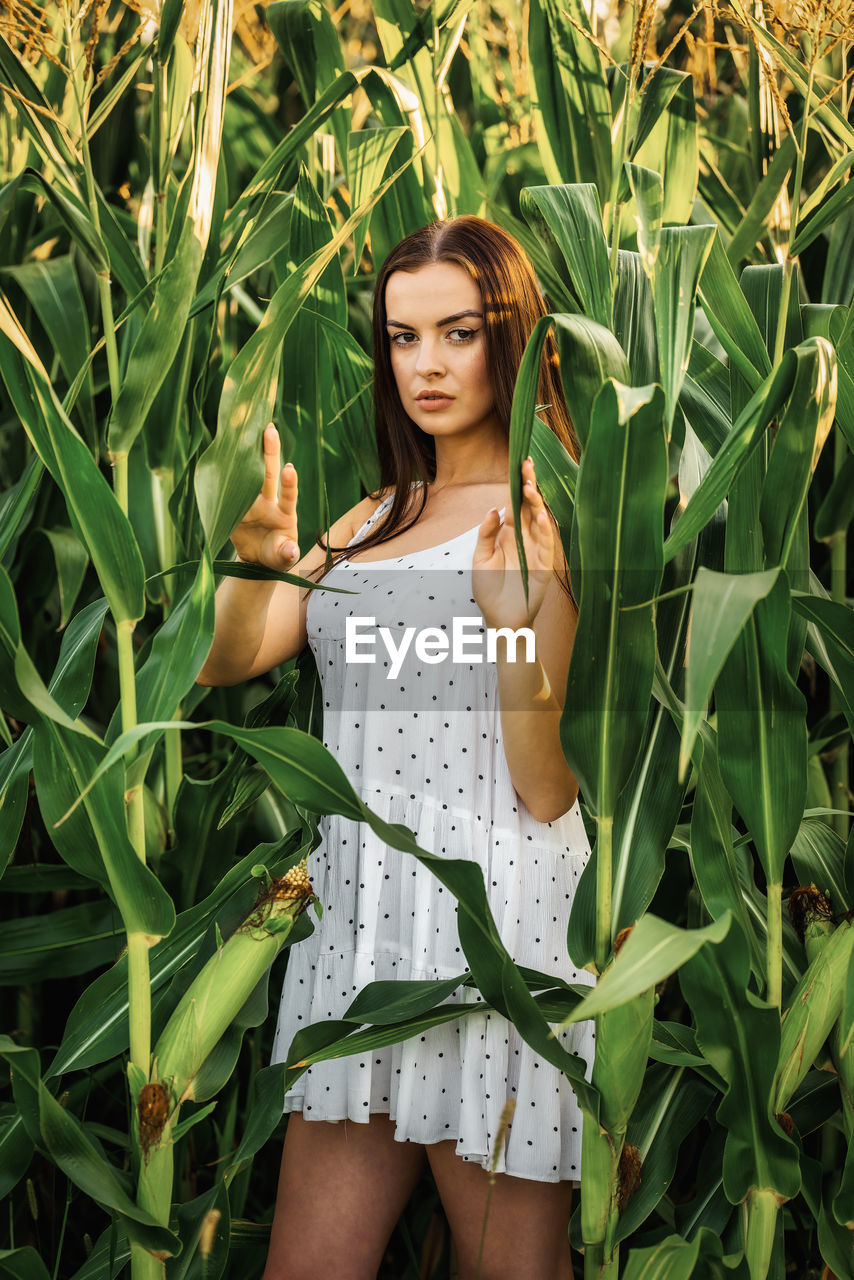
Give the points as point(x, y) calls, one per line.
point(429, 358)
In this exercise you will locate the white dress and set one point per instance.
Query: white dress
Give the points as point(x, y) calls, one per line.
point(425, 749)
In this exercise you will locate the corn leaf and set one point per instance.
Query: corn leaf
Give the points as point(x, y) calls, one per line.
point(610, 675)
point(739, 1034)
point(711, 848)
point(678, 1259)
point(94, 513)
point(573, 108)
point(573, 216)
point(720, 606)
point(653, 950)
point(731, 318)
point(368, 154)
point(83, 1162)
point(229, 473)
point(97, 844)
point(762, 731)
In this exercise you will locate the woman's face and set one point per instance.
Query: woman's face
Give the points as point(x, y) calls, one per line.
point(437, 342)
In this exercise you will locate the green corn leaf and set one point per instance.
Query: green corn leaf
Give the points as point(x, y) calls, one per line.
point(573, 110)
point(97, 844)
point(836, 511)
point(801, 368)
point(711, 848)
point(32, 109)
point(653, 950)
point(706, 399)
point(610, 675)
point(731, 318)
point(368, 154)
point(179, 649)
point(229, 473)
point(72, 1149)
point(634, 319)
point(16, 1153)
point(679, 1259)
point(22, 690)
point(272, 173)
point(798, 443)
point(63, 943)
point(657, 93)
point(672, 149)
point(721, 603)
point(16, 504)
point(51, 286)
point(382, 1002)
point(682, 255)
point(22, 1264)
point(834, 623)
point(69, 686)
point(114, 95)
point(163, 325)
point(672, 1104)
point(15, 765)
point(93, 510)
point(751, 227)
point(337, 1039)
point(573, 215)
point(762, 733)
point(648, 193)
point(740, 1036)
point(72, 561)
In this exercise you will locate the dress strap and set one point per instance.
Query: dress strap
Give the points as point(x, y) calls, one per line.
point(383, 507)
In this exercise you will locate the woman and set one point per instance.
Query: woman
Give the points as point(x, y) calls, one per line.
point(467, 754)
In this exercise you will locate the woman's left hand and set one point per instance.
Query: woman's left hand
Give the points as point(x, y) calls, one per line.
point(496, 575)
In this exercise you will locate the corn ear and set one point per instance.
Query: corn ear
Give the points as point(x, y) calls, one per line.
point(623, 1037)
point(815, 1006)
point(214, 998)
point(599, 1161)
point(762, 1208)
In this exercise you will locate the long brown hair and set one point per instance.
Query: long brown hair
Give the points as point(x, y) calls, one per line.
point(512, 305)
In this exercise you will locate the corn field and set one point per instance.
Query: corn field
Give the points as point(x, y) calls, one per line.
point(195, 198)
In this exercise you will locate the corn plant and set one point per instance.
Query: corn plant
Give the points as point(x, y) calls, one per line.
point(707, 350)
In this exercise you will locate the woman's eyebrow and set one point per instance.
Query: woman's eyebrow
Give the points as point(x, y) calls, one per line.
point(478, 315)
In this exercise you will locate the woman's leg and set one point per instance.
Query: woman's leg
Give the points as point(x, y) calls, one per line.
point(342, 1188)
point(528, 1223)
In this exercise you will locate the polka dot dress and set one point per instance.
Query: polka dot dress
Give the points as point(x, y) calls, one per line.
point(425, 749)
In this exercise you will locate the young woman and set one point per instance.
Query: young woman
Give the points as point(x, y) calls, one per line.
point(466, 754)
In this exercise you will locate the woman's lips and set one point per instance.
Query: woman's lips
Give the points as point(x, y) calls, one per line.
point(434, 402)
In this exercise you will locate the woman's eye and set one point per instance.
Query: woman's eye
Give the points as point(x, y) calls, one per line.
point(395, 339)
point(466, 334)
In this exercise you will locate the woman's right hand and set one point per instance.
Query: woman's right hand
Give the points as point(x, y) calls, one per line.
point(268, 533)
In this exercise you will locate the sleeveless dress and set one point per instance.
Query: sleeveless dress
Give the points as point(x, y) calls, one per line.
point(425, 749)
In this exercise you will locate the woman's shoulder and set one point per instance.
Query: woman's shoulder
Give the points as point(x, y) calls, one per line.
point(352, 520)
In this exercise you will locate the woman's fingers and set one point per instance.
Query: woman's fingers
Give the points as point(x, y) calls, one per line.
point(272, 455)
point(288, 492)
